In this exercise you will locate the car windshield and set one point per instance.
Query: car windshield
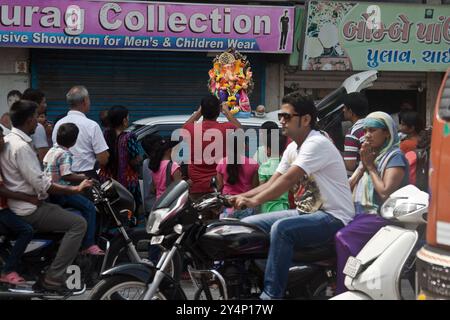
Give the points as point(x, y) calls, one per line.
point(164, 130)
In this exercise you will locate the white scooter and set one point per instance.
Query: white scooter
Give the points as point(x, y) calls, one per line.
point(375, 273)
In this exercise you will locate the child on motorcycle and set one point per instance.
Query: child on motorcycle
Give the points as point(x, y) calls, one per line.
point(163, 170)
point(236, 174)
point(58, 163)
point(268, 168)
point(20, 229)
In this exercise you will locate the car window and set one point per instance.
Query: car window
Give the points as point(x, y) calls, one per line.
point(166, 130)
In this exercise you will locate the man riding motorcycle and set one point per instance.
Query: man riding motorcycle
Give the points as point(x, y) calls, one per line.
point(22, 173)
point(323, 197)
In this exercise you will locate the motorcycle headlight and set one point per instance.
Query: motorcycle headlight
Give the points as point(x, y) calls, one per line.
point(406, 208)
point(154, 220)
point(397, 207)
point(387, 209)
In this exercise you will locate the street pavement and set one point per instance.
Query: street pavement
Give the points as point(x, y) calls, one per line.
point(189, 290)
point(187, 286)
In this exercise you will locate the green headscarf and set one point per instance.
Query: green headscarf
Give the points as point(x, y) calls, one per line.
point(364, 190)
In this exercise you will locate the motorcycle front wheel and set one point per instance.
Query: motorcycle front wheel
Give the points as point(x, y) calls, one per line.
point(118, 253)
point(123, 287)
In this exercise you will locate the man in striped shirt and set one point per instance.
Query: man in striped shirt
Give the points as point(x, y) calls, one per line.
point(355, 110)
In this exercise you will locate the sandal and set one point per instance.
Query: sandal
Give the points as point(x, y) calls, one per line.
point(94, 250)
point(12, 278)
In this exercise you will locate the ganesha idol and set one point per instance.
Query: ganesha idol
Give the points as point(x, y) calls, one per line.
point(230, 80)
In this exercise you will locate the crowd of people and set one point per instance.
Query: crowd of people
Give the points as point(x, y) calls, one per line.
point(297, 186)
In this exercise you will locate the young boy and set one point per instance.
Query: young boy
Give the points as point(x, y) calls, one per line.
point(21, 230)
point(58, 163)
point(42, 119)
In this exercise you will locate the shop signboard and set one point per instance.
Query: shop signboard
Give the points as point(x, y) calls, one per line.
point(382, 36)
point(99, 24)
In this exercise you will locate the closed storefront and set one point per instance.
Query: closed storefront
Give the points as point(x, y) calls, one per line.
point(388, 92)
point(148, 83)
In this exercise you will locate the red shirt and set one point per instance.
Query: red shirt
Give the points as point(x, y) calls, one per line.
point(409, 144)
point(204, 161)
point(412, 160)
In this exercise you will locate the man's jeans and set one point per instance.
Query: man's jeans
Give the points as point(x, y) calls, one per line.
point(87, 210)
point(52, 218)
point(23, 233)
point(289, 230)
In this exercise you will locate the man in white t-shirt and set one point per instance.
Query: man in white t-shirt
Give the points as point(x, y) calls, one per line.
point(313, 166)
point(91, 145)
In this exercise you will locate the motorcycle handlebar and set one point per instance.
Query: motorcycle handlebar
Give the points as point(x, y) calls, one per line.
point(214, 201)
point(225, 201)
point(95, 183)
point(96, 190)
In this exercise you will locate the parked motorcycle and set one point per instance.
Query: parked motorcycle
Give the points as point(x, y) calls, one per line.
point(228, 254)
point(115, 221)
point(389, 256)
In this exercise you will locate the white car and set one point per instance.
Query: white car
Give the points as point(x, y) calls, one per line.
point(165, 125)
point(328, 107)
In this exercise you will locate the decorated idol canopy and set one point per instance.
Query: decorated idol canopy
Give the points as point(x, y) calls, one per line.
point(231, 81)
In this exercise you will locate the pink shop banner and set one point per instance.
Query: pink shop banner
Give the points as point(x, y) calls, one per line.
point(146, 25)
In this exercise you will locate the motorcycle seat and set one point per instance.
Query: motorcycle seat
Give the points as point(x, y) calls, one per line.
point(316, 254)
point(3, 230)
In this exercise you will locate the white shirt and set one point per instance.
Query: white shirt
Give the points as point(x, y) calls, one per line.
point(22, 171)
point(90, 140)
point(40, 137)
point(5, 130)
point(323, 163)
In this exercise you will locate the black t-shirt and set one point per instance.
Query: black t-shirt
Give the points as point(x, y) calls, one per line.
point(284, 23)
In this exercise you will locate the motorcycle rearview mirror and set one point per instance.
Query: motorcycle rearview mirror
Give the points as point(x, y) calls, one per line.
point(213, 184)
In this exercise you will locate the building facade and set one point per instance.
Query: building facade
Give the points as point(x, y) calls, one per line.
point(117, 51)
point(152, 57)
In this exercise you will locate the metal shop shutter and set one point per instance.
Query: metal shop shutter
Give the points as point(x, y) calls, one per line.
point(149, 83)
point(387, 80)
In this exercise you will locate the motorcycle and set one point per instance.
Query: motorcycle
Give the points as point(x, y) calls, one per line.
point(227, 254)
point(115, 233)
point(180, 226)
point(389, 256)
